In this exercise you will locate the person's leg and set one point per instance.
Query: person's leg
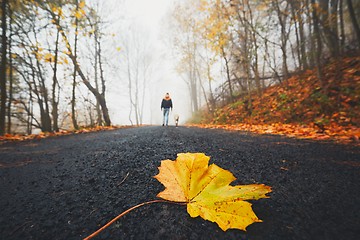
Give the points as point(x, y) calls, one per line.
point(167, 116)
point(164, 114)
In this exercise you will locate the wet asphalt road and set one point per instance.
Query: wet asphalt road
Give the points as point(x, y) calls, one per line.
point(66, 187)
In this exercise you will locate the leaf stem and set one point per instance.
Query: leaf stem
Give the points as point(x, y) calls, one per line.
point(127, 211)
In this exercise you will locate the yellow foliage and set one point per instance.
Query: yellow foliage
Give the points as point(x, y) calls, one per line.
point(78, 14)
point(203, 5)
point(48, 57)
point(58, 11)
point(207, 192)
point(215, 24)
point(38, 55)
point(82, 4)
point(64, 60)
point(67, 52)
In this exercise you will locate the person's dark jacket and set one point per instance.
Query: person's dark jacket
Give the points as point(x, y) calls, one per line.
point(166, 103)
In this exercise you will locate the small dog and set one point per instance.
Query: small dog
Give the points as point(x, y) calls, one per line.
point(176, 118)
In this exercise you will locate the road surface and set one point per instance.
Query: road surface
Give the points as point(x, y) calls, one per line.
point(67, 187)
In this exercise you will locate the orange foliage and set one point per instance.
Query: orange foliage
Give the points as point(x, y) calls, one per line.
point(337, 133)
point(17, 137)
point(301, 107)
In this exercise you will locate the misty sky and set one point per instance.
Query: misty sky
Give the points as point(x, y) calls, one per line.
point(147, 20)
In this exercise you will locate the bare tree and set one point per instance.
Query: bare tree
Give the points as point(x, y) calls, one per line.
point(73, 91)
point(100, 98)
point(138, 65)
point(55, 85)
point(38, 54)
point(297, 9)
point(3, 66)
point(11, 74)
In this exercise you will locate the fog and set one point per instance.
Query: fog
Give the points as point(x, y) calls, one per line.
point(138, 29)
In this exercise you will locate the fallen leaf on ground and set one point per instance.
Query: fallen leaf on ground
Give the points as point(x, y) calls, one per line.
point(207, 192)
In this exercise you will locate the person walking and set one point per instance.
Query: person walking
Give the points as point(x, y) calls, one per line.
point(166, 105)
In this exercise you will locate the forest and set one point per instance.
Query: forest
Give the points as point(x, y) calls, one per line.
point(228, 52)
point(36, 50)
point(268, 141)
point(289, 67)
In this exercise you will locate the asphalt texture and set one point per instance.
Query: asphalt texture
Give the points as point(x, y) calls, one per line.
point(67, 187)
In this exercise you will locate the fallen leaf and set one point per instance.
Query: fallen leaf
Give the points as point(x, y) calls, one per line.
point(207, 192)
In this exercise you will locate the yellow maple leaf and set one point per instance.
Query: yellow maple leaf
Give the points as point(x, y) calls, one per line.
point(207, 192)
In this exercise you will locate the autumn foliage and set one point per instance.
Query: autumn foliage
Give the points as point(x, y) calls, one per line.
point(41, 135)
point(301, 106)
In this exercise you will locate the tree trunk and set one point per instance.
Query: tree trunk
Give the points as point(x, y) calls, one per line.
point(328, 21)
point(246, 66)
point(98, 110)
point(334, 29)
point(54, 112)
point(255, 62)
point(130, 86)
point(318, 48)
point(311, 34)
point(102, 78)
point(3, 68)
point(30, 113)
point(193, 79)
point(73, 92)
point(227, 68)
point(298, 52)
point(296, 9)
point(101, 71)
point(43, 100)
point(284, 39)
point(342, 28)
point(136, 106)
point(255, 66)
point(211, 94)
point(10, 75)
point(302, 43)
point(354, 21)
